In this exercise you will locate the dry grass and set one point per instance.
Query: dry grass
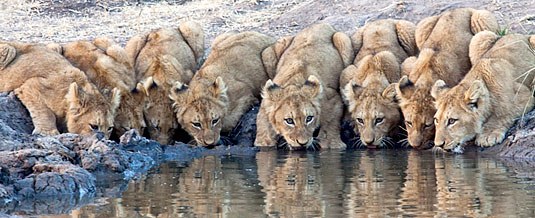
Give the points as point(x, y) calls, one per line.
point(23, 20)
point(44, 22)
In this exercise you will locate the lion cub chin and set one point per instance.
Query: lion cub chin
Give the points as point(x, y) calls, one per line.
point(370, 95)
point(495, 92)
point(303, 99)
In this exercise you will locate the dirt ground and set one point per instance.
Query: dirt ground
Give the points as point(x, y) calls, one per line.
point(46, 21)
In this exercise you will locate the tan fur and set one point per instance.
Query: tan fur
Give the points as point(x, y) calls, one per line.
point(106, 64)
point(227, 85)
point(305, 88)
point(493, 94)
point(443, 41)
point(57, 95)
point(165, 56)
point(366, 86)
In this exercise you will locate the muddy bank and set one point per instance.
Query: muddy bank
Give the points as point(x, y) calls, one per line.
point(54, 174)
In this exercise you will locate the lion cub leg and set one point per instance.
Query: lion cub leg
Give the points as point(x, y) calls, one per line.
point(332, 112)
point(44, 120)
point(496, 127)
point(265, 134)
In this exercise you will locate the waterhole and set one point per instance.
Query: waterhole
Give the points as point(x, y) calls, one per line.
point(358, 183)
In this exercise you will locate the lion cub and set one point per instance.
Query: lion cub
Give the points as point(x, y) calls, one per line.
point(496, 91)
point(57, 95)
point(227, 85)
point(107, 66)
point(367, 86)
point(304, 95)
point(161, 58)
point(443, 41)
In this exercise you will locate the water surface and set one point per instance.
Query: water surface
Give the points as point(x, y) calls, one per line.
point(360, 183)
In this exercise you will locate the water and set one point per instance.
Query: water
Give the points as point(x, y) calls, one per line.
point(374, 183)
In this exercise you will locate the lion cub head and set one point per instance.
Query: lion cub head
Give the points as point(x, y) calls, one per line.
point(158, 111)
point(89, 110)
point(294, 111)
point(372, 99)
point(130, 112)
point(418, 110)
point(200, 110)
point(459, 117)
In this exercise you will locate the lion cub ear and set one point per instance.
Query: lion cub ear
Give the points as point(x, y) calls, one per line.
point(473, 95)
point(438, 89)
point(404, 87)
point(272, 92)
point(139, 94)
point(312, 87)
point(179, 93)
point(390, 93)
point(115, 99)
point(219, 90)
point(76, 98)
point(351, 92)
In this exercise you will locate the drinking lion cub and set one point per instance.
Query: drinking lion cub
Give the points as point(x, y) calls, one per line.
point(496, 91)
point(304, 93)
point(367, 86)
point(227, 85)
point(443, 41)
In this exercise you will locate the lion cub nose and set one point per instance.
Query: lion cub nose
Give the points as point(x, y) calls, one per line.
point(369, 142)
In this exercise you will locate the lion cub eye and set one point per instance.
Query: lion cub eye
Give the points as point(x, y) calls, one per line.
point(289, 121)
point(360, 120)
point(215, 121)
point(379, 120)
point(309, 119)
point(408, 123)
point(196, 125)
point(110, 128)
point(428, 125)
point(451, 121)
point(93, 127)
point(435, 120)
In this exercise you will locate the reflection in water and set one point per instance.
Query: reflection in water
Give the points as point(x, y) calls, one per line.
point(361, 183)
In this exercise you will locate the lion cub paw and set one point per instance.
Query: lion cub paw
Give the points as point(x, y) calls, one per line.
point(264, 142)
point(490, 138)
point(45, 132)
point(336, 144)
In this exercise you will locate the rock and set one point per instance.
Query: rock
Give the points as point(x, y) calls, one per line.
point(519, 141)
